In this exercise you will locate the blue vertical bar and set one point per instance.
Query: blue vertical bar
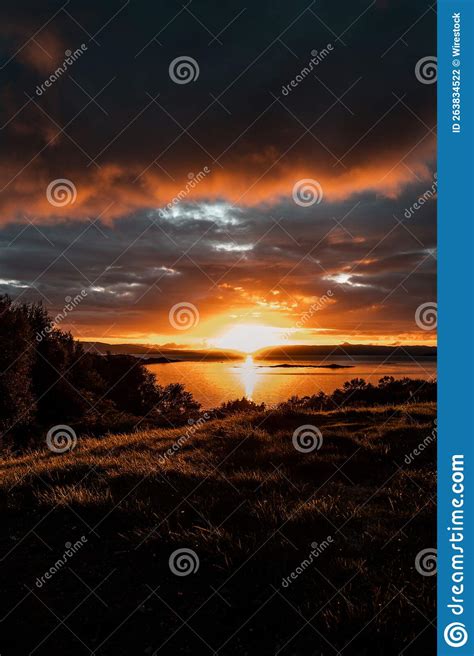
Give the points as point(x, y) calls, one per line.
point(455, 327)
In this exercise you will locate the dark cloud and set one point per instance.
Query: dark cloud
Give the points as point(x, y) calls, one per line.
point(275, 261)
point(352, 123)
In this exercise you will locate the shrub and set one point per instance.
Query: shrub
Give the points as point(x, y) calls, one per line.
point(47, 378)
point(236, 406)
point(17, 398)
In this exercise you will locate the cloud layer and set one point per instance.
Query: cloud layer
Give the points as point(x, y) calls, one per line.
point(117, 125)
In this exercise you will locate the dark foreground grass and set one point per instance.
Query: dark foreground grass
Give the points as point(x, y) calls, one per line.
point(250, 506)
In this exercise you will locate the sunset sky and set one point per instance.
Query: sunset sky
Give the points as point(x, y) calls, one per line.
point(237, 247)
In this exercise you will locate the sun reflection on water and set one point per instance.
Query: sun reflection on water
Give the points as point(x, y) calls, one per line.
point(248, 376)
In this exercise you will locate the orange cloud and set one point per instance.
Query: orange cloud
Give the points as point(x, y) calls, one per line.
point(115, 190)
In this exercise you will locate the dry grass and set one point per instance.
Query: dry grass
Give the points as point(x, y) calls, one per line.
point(250, 505)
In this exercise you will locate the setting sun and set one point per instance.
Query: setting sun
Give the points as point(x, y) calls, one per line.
point(249, 338)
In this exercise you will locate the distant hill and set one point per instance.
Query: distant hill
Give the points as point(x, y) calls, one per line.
point(291, 352)
point(158, 354)
point(304, 352)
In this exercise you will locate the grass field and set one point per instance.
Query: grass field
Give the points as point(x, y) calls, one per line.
point(252, 508)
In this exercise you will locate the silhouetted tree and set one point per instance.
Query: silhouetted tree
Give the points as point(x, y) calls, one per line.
point(17, 398)
point(47, 378)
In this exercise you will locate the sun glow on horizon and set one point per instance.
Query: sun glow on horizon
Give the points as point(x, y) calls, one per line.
point(249, 338)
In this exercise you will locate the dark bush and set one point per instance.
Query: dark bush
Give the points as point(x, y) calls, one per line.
point(47, 378)
point(357, 392)
point(236, 406)
point(17, 398)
